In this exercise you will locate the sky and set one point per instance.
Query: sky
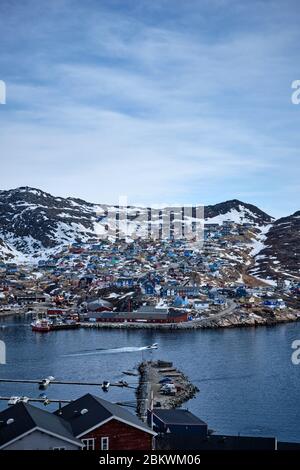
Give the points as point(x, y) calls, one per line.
point(165, 101)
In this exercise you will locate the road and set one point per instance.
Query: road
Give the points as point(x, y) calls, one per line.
point(227, 311)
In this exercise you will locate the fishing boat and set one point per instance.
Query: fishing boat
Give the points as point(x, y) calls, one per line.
point(42, 325)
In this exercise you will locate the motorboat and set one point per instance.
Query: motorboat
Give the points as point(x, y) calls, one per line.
point(153, 346)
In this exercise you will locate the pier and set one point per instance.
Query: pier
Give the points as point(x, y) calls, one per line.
point(161, 385)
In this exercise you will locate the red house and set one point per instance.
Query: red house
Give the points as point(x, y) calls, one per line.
point(102, 425)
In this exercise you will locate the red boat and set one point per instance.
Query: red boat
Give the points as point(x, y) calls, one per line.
point(43, 325)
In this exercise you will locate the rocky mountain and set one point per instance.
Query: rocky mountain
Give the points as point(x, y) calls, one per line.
point(6, 253)
point(279, 254)
point(237, 211)
point(33, 221)
point(34, 224)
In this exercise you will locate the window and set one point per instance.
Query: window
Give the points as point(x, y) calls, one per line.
point(89, 444)
point(104, 443)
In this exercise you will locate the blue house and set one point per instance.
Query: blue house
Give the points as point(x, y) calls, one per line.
point(241, 292)
point(274, 303)
point(180, 301)
point(218, 301)
point(188, 253)
point(96, 247)
point(11, 268)
point(214, 267)
point(167, 291)
point(191, 291)
point(92, 266)
point(78, 244)
point(124, 282)
point(149, 287)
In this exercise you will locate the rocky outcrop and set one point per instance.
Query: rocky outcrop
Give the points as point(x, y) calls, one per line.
point(246, 212)
point(280, 256)
point(238, 318)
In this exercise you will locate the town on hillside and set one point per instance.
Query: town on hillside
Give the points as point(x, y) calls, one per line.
point(159, 283)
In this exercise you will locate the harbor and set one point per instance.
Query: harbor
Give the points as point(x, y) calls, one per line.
point(226, 365)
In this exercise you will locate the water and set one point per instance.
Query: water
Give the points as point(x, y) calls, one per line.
point(247, 382)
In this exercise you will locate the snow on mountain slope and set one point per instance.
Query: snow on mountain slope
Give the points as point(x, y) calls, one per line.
point(238, 212)
point(34, 224)
point(6, 253)
point(279, 253)
point(259, 242)
point(238, 216)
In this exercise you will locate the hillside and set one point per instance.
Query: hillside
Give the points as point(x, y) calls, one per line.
point(35, 224)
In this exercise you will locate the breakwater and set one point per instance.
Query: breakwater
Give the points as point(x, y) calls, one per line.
point(151, 393)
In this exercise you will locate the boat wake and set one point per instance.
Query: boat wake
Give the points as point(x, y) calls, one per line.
point(129, 349)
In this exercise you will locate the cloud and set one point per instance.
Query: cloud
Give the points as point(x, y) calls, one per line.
point(103, 101)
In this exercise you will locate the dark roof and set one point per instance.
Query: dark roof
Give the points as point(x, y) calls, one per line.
point(26, 418)
point(154, 315)
point(152, 310)
point(99, 410)
point(173, 417)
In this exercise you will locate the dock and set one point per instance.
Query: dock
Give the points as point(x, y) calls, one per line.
point(161, 385)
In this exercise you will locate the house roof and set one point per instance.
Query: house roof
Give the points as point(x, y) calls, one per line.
point(98, 412)
point(27, 418)
point(154, 315)
point(175, 417)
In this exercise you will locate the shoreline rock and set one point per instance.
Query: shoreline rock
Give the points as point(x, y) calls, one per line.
point(232, 321)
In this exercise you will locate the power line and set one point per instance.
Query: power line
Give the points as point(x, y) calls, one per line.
point(13, 400)
point(45, 400)
point(44, 383)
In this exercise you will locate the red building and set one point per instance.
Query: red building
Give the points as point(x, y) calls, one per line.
point(102, 425)
point(145, 314)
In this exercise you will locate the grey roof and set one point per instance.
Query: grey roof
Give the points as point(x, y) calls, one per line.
point(151, 309)
point(98, 304)
point(173, 417)
point(26, 418)
point(99, 410)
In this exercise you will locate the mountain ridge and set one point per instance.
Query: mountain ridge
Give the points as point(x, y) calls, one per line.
point(281, 249)
point(34, 224)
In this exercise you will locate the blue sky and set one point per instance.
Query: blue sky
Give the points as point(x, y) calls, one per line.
point(164, 101)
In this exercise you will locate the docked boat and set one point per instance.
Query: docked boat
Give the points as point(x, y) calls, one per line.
point(42, 325)
point(64, 325)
